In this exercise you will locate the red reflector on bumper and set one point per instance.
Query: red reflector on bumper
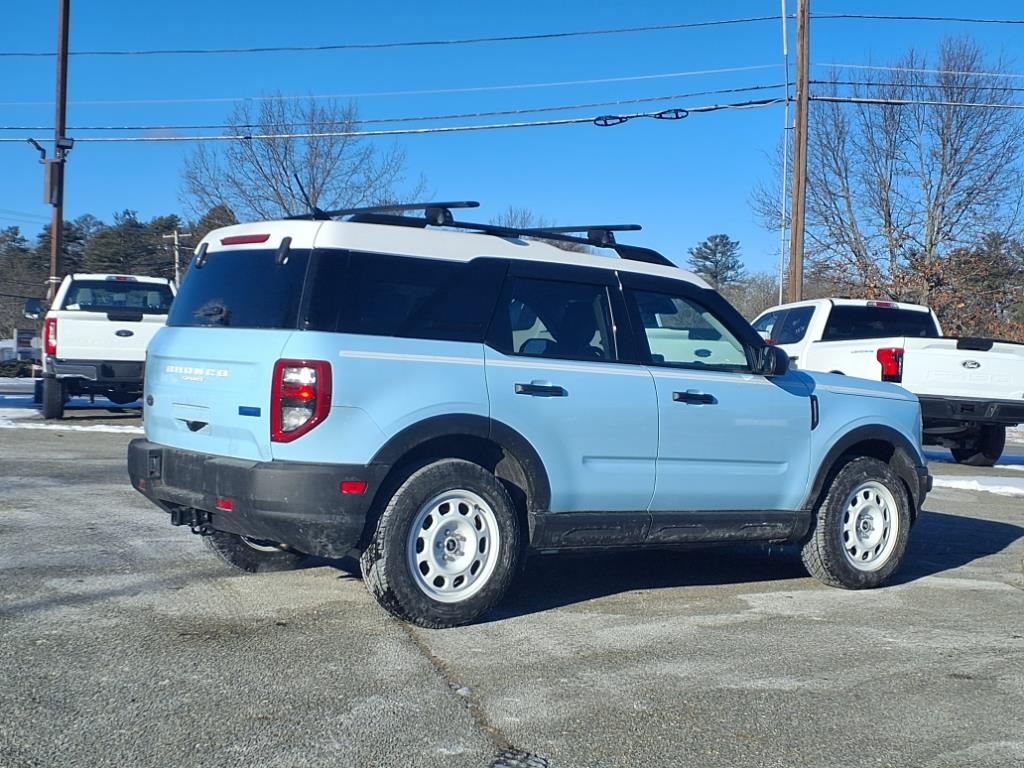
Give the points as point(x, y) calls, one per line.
point(225, 505)
point(353, 486)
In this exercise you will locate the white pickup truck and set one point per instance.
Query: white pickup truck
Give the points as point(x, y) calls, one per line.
point(970, 389)
point(95, 336)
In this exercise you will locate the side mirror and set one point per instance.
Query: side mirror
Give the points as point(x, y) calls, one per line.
point(34, 309)
point(771, 361)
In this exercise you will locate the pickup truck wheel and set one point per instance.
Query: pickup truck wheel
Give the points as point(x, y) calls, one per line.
point(53, 399)
point(252, 555)
point(861, 528)
point(983, 449)
point(446, 548)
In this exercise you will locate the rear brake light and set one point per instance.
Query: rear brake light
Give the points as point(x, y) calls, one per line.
point(882, 304)
point(244, 239)
point(50, 335)
point(891, 359)
point(301, 398)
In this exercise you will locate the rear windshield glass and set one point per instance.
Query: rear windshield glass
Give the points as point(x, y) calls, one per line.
point(242, 289)
point(852, 322)
point(118, 296)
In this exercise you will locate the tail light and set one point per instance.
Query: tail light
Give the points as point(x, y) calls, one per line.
point(50, 335)
point(301, 398)
point(891, 359)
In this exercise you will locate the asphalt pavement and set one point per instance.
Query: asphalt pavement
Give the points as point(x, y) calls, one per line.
point(124, 642)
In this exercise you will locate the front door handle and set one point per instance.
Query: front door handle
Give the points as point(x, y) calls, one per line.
point(695, 397)
point(537, 389)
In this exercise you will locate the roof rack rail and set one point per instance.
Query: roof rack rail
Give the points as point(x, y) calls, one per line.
point(435, 213)
point(439, 214)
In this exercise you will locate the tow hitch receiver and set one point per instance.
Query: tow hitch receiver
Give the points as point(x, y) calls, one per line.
point(196, 519)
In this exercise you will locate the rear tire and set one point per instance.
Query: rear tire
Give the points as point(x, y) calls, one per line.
point(53, 399)
point(252, 555)
point(982, 449)
point(446, 548)
point(861, 528)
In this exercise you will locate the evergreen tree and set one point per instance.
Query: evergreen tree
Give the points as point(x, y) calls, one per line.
point(128, 246)
point(717, 260)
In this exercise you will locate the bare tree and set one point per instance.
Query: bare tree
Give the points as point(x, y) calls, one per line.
point(893, 187)
point(256, 178)
point(516, 217)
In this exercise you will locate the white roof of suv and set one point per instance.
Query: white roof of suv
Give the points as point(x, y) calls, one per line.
point(447, 244)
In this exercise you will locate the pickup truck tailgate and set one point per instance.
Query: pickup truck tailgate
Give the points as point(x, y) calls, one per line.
point(108, 336)
point(961, 368)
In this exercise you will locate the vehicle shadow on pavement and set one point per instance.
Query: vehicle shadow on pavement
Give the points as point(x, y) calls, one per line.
point(942, 542)
point(559, 580)
point(939, 542)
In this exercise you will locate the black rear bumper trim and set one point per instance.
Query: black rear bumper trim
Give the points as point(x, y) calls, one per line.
point(295, 503)
point(943, 411)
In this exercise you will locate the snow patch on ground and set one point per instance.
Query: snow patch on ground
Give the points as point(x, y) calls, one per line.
point(1015, 434)
point(19, 412)
point(1002, 486)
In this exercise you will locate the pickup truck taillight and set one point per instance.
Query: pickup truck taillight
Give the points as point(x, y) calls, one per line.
point(891, 359)
point(301, 398)
point(50, 335)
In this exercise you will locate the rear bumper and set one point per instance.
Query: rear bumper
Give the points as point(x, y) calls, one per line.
point(950, 411)
point(103, 372)
point(293, 503)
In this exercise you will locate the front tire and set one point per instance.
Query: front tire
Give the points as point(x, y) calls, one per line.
point(861, 528)
point(982, 449)
point(252, 555)
point(446, 548)
point(53, 398)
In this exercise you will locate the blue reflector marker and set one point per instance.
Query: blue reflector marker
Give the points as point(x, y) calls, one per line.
point(248, 410)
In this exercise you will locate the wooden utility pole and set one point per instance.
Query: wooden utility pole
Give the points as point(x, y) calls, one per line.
point(177, 252)
point(61, 145)
point(796, 237)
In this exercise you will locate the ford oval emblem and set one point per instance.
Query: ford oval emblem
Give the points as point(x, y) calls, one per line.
point(702, 352)
point(124, 333)
point(971, 364)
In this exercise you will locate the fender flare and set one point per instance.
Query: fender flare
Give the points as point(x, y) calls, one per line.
point(472, 425)
point(902, 462)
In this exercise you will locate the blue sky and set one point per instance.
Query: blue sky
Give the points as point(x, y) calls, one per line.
point(682, 180)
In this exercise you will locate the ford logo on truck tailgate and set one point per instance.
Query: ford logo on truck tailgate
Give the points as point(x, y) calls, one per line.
point(971, 364)
point(124, 333)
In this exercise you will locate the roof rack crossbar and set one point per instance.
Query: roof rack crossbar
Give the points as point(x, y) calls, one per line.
point(428, 208)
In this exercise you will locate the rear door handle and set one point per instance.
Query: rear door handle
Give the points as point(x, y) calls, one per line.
point(541, 390)
point(692, 396)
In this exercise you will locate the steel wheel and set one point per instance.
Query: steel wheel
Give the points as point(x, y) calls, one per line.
point(453, 546)
point(870, 526)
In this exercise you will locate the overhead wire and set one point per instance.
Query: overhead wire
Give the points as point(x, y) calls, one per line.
point(416, 119)
point(920, 70)
point(892, 17)
point(910, 102)
point(421, 92)
point(600, 120)
point(397, 44)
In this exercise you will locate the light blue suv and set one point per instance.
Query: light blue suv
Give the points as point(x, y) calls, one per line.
point(440, 400)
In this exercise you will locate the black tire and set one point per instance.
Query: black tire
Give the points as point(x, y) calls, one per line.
point(122, 398)
point(252, 555)
point(385, 562)
point(829, 551)
point(53, 399)
point(984, 448)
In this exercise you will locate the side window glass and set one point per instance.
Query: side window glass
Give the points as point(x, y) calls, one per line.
point(794, 327)
point(385, 295)
point(551, 318)
point(681, 332)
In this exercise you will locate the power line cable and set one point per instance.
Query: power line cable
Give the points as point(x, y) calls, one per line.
point(942, 86)
point(424, 92)
point(398, 44)
point(422, 118)
point(887, 17)
point(910, 102)
point(599, 120)
point(921, 70)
